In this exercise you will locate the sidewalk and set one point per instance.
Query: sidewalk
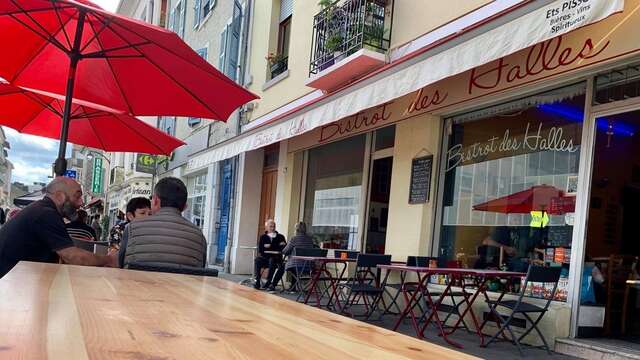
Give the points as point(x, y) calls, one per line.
point(470, 342)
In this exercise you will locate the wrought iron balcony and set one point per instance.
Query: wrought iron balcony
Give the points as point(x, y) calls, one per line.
point(347, 26)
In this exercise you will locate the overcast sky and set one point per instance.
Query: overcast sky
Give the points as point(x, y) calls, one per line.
point(32, 156)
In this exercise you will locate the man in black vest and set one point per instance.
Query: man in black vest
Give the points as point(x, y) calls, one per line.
point(270, 247)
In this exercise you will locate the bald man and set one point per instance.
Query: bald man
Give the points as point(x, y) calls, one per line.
point(38, 232)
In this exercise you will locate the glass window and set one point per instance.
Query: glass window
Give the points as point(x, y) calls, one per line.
point(617, 84)
point(509, 168)
point(197, 188)
point(333, 193)
point(385, 138)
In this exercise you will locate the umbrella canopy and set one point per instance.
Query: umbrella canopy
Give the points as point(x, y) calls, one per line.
point(40, 115)
point(27, 199)
point(122, 64)
point(76, 51)
point(536, 198)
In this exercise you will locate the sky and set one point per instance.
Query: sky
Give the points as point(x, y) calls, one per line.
point(32, 156)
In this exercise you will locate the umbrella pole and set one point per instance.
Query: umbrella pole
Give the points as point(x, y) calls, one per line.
point(60, 166)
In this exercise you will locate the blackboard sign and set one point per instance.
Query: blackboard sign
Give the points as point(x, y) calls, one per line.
point(420, 185)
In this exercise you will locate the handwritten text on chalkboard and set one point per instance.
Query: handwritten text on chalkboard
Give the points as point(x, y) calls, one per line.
point(420, 185)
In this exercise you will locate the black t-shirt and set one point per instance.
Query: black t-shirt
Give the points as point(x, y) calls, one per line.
point(34, 234)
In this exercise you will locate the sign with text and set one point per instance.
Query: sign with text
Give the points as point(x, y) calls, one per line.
point(420, 184)
point(146, 163)
point(71, 174)
point(96, 183)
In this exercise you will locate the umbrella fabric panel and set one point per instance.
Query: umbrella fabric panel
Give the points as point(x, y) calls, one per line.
point(40, 115)
point(151, 72)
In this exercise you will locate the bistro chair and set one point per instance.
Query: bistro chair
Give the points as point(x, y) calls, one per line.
point(535, 275)
point(172, 268)
point(416, 261)
point(340, 254)
point(364, 284)
point(304, 273)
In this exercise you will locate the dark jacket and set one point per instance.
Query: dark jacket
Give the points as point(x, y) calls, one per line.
point(301, 240)
point(267, 244)
point(164, 237)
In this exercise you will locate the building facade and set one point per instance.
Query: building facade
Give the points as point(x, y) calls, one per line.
point(6, 168)
point(391, 137)
point(406, 128)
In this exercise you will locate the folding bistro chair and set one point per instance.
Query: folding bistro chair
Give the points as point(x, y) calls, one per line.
point(305, 273)
point(535, 274)
point(365, 283)
point(417, 261)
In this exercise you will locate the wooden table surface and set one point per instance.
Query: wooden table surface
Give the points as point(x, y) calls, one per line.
point(51, 311)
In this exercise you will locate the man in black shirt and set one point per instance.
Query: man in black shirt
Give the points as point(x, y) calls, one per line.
point(38, 233)
point(270, 247)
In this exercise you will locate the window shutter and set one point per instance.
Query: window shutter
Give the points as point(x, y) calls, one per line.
point(172, 16)
point(196, 12)
point(223, 49)
point(233, 39)
point(286, 9)
point(184, 17)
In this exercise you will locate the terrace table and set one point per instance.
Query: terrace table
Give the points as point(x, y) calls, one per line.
point(455, 276)
point(73, 312)
point(320, 269)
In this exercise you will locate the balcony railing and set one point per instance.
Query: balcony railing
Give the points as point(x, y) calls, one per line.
point(347, 26)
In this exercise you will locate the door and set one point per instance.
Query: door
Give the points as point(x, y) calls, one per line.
point(609, 291)
point(378, 209)
point(269, 185)
point(225, 202)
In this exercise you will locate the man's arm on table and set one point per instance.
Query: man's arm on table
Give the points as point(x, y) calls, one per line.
point(76, 256)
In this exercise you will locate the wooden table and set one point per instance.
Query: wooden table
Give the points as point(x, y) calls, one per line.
point(455, 276)
point(51, 311)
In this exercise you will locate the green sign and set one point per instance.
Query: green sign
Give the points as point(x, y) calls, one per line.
point(146, 163)
point(96, 183)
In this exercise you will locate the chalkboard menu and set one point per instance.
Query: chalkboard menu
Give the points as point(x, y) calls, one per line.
point(420, 185)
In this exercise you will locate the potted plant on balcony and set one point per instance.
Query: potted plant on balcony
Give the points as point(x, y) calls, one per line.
point(277, 64)
point(374, 37)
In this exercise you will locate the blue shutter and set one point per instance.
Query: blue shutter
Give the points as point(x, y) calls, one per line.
point(196, 13)
point(184, 17)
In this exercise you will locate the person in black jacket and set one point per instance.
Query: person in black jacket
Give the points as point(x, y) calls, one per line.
point(270, 247)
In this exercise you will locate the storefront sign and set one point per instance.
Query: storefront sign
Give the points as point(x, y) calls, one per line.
point(142, 190)
point(146, 163)
point(533, 140)
point(96, 183)
point(557, 42)
point(420, 185)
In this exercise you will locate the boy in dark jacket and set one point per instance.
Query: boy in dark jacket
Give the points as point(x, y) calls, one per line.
point(270, 247)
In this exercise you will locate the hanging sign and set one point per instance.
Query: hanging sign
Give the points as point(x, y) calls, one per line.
point(420, 184)
point(96, 183)
point(146, 163)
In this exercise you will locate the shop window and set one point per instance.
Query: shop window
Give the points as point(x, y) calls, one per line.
point(617, 84)
point(333, 193)
point(197, 189)
point(509, 190)
point(384, 138)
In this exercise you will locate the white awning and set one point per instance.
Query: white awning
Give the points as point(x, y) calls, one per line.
point(550, 21)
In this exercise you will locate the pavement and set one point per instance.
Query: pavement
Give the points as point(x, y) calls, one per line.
point(469, 341)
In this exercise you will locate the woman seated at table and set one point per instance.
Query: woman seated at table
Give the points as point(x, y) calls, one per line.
point(515, 247)
point(297, 266)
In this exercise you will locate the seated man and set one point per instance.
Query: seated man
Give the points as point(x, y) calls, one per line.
point(137, 208)
point(270, 247)
point(296, 266)
point(164, 238)
point(79, 230)
point(37, 233)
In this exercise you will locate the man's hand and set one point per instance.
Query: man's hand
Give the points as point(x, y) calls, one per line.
point(75, 256)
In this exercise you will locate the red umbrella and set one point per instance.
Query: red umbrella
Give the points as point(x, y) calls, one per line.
point(537, 198)
point(40, 115)
point(75, 50)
